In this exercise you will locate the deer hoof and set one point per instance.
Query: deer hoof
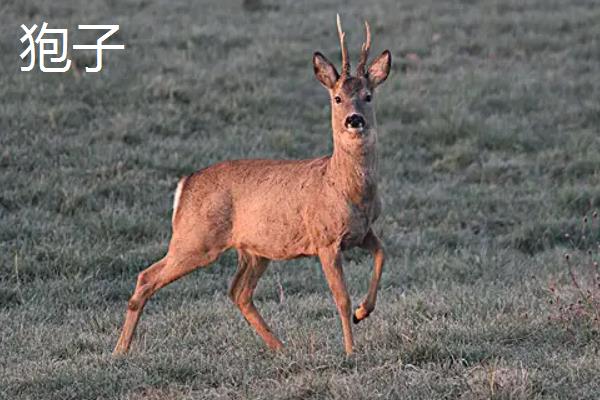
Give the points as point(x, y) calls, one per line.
point(360, 314)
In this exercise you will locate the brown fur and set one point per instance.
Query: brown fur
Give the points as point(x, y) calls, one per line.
point(282, 209)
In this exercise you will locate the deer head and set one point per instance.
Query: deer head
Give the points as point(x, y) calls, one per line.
point(352, 96)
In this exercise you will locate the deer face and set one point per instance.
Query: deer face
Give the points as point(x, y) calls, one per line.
point(352, 96)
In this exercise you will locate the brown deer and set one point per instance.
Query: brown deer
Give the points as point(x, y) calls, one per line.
point(284, 209)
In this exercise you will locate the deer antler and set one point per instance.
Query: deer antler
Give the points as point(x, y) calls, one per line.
point(345, 60)
point(364, 54)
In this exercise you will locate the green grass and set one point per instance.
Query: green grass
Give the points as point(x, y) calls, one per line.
point(490, 153)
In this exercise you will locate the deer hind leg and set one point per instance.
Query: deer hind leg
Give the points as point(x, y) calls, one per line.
point(250, 269)
point(149, 281)
point(373, 244)
point(331, 261)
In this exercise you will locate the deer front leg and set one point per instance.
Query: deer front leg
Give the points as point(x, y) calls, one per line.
point(331, 260)
point(373, 244)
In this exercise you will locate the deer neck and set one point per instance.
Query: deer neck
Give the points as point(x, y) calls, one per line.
point(353, 168)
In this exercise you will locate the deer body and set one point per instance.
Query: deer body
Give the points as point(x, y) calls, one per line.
point(283, 209)
point(278, 209)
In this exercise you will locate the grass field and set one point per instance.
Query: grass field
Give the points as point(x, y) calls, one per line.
point(490, 160)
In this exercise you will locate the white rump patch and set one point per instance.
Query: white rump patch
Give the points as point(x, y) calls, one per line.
point(178, 196)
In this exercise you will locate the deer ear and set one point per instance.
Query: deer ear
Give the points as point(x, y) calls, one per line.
point(380, 68)
point(324, 70)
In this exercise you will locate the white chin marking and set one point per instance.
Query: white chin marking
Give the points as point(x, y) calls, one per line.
point(357, 131)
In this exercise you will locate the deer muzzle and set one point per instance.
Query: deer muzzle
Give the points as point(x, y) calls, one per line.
point(355, 122)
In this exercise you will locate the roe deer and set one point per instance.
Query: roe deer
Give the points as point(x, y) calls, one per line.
point(283, 209)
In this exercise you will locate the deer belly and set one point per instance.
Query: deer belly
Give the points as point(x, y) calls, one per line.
point(274, 236)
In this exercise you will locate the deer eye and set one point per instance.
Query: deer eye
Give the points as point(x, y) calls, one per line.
point(338, 99)
point(368, 98)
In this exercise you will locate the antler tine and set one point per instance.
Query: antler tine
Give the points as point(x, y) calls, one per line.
point(345, 60)
point(364, 54)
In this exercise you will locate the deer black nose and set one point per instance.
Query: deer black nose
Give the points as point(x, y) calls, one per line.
point(355, 121)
